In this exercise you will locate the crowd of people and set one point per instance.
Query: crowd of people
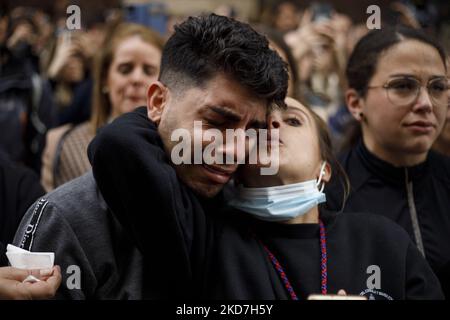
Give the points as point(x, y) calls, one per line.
point(86, 123)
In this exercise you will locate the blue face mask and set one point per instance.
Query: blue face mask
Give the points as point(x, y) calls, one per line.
point(280, 203)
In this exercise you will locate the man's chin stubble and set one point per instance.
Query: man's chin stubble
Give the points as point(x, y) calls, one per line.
point(204, 190)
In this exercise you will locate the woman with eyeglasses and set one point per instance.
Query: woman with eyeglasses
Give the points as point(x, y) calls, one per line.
point(398, 93)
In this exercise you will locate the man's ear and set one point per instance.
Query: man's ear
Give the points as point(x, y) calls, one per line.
point(157, 95)
point(354, 104)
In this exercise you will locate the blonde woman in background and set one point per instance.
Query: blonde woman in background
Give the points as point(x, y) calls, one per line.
point(129, 60)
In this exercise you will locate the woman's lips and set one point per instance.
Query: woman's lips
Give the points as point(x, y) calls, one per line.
point(421, 126)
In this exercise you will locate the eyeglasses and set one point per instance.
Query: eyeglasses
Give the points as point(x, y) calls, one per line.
point(404, 91)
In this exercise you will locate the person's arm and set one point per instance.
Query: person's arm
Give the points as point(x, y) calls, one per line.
point(142, 190)
point(421, 283)
point(12, 286)
point(44, 229)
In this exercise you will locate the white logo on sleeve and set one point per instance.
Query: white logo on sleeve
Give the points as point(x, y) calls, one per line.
point(373, 283)
point(374, 279)
point(74, 279)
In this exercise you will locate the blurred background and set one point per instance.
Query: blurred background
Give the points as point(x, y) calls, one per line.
point(48, 75)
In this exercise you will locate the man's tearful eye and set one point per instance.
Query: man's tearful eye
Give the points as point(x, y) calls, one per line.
point(214, 122)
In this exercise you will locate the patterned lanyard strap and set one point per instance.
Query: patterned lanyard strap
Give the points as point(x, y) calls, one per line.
point(323, 265)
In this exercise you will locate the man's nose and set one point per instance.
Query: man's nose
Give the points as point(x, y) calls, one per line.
point(235, 147)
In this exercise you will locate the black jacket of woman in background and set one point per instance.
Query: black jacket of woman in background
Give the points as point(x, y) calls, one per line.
point(417, 198)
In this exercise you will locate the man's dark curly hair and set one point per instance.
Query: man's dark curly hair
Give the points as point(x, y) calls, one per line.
point(202, 47)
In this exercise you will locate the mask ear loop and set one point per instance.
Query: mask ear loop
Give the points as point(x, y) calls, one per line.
point(319, 181)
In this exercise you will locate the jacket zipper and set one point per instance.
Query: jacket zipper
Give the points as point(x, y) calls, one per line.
point(413, 213)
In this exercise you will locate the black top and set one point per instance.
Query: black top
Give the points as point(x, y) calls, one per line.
point(379, 187)
point(19, 188)
point(202, 250)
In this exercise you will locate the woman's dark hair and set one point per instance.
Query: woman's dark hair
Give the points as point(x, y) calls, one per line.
point(327, 154)
point(363, 61)
point(205, 46)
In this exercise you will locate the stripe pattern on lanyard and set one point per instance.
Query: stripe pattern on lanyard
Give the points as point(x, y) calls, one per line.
point(323, 265)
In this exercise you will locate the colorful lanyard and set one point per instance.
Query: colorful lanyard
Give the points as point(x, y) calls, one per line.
point(323, 265)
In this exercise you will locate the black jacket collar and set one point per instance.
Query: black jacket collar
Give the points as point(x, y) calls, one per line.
point(371, 165)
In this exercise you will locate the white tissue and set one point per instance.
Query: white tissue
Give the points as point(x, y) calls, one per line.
point(23, 259)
